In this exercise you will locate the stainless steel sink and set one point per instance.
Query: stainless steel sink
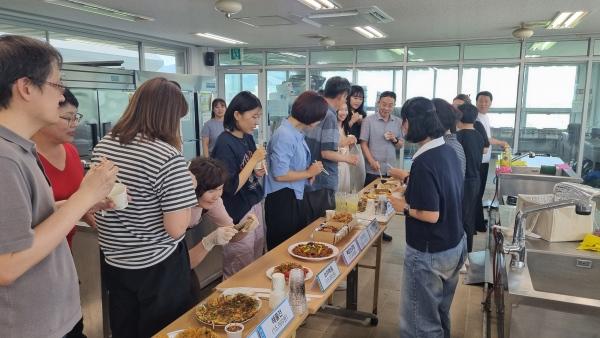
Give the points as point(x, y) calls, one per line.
point(564, 274)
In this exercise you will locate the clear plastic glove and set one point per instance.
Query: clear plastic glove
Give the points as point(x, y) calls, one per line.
point(221, 236)
point(248, 224)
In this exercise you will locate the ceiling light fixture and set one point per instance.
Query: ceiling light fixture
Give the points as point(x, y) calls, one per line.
point(99, 10)
point(320, 4)
point(220, 38)
point(333, 14)
point(369, 32)
point(564, 20)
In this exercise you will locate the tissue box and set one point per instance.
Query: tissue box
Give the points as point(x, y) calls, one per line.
point(556, 225)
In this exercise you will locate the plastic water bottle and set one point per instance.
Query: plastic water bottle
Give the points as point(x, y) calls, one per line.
point(297, 291)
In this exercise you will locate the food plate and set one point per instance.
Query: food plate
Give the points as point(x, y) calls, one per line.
point(226, 309)
point(307, 275)
point(334, 251)
point(193, 332)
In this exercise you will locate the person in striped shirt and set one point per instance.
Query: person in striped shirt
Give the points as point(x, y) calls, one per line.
point(145, 265)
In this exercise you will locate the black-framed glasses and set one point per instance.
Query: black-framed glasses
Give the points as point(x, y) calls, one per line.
point(73, 119)
point(61, 87)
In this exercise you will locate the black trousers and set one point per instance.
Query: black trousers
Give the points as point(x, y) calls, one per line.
point(470, 204)
point(316, 202)
point(480, 220)
point(143, 301)
point(284, 216)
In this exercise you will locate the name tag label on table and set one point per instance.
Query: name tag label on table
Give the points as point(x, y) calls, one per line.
point(328, 275)
point(276, 322)
point(373, 227)
point(363, 239)
point(350, 253)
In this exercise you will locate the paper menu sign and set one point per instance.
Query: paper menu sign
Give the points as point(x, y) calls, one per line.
point(363, 239)
point(276, 321)
point(373, 228)
point(328, 275)
point(350, 253)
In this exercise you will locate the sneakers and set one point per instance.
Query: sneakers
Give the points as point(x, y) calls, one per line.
point(386, 237)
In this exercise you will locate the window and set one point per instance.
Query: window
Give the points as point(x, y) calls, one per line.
point(165, 60)
point(286, 58)
point(85, 49)
point(432, 82)
point(592, 136)
point(318, 77)
point(502, 82)
point(556, 48)
point(283, 86)
point(237, 82)
point(596, 47)
point(248, 59)
point(552, 105)
point(6, 29)
point(331, 56)
point(380, 55)
point(421, 54)
point(398, 88)
point(374, 82)
point(496, 51)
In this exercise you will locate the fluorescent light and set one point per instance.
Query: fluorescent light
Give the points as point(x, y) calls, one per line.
point(363, 32)
point(574, 19)
point(564, 20)
point(220, 38)
point(375, 32)
point(368, 32)
point(312, 4)
point(328, 4)
point(333, 14)
point(99, 10)
point(320, 4)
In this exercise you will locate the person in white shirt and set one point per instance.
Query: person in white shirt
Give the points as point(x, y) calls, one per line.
point(484, 102)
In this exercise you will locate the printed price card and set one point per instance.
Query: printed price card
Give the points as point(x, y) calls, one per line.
point(276, 322)
point(363, 239)
point(373, 227)
point(328, 275)
point(350, 253)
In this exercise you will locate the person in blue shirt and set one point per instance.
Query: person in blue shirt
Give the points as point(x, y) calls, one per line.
point(242, 193)
point(435, 240)
point(290, 165)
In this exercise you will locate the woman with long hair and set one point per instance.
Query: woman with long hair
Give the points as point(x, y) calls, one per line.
point(356, 111)
point(145, 265)
point(213, 127)
point(243, 192)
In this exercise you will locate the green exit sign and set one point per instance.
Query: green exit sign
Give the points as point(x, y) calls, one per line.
point(235, 54)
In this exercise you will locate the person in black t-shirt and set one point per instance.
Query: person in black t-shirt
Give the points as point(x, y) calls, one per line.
point(243, 193)
point(473, 145)
point(435, 240)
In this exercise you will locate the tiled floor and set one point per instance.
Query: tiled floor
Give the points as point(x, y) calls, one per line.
point(465, 313)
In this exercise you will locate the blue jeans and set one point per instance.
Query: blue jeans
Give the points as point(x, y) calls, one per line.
point(429, 282)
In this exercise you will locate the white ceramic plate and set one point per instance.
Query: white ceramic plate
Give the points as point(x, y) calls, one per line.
point(308, 275)
point(335, 252)
point(223, 325)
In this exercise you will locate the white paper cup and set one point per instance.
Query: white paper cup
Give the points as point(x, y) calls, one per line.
point(118, 195)
point(329, 214)
point(259, 165)
point(234, 334)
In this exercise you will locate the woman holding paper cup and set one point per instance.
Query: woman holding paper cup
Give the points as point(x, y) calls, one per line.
point(243, 192)
point(289, 162)
point(344, 183)
point(435, 240)
point(146, 266)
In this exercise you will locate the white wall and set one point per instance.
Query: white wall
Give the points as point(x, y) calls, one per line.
point(196, 62)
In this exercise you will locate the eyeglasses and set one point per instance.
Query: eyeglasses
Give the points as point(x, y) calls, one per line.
point(61, 87)
point(73, 120)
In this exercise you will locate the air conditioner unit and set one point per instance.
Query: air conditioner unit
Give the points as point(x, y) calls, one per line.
point(348, 17)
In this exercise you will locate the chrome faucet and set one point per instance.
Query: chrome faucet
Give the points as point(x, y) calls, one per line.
point(531, 154)
point(566, 194)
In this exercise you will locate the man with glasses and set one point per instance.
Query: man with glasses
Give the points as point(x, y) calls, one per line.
point(39, 293)
point(380, 136)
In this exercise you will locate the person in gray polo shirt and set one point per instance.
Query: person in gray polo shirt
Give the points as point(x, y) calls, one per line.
point(39, 292)
point(380, 136)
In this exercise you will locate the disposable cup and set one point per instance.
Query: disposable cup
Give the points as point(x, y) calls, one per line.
point(229, 329)
point(118, 195)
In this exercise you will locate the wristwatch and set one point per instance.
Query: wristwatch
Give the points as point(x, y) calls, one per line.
point(396, 142)
point(406, 210)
